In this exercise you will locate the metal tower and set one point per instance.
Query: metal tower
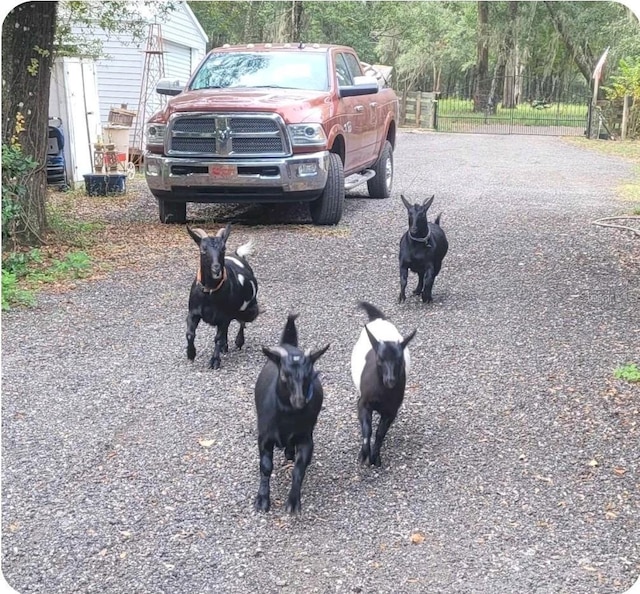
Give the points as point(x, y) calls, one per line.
point(150, 101)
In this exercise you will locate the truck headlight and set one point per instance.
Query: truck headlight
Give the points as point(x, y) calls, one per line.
point(307, 135)
point(155, 134)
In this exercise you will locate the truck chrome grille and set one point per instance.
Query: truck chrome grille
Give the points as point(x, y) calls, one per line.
point(256, 145)
point(228, 135)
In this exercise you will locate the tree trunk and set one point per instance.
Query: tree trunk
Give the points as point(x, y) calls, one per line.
point(296, 21)
point(483, 84)
point(27, 35)
point(509, 88)
point(582, 58)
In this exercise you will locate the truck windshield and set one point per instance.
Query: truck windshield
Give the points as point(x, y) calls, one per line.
point(287, 70)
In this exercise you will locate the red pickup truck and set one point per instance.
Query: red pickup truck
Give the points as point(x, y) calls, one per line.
point(272, 123)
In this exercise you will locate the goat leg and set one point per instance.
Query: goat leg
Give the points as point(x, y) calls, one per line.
point(263, 499)
point(304, 451)
point(381, 432)
point(364, 414)
point(193, 320)
point(240, 336)
point(427, 285)
point(418, 288)
point(404, 275)
point(220, 346)
point(290, 452)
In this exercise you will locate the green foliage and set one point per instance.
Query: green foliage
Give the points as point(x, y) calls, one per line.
point(629, 372)
point(79, 20)
point(626, 81)
point(16, 166)
point(30, 269)
point(12, 294)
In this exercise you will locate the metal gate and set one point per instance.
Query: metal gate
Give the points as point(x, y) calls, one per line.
point(554, 114)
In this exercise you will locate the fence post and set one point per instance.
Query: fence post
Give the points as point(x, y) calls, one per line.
point(625, 117)
point(403, 107)
point(418, 109)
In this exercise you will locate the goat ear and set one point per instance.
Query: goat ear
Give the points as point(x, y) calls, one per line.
point(315, 356)
point(427, 202)
point(224, 233)
point(405, 202)
point(408, 339)
point(197, 234)
point(372, 339)
point(272, 354)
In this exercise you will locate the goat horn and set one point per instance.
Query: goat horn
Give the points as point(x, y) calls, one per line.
point(278, 349)
point(220, 233)
point(199, 232)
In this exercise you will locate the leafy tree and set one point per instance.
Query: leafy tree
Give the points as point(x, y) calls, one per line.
point(32, 34)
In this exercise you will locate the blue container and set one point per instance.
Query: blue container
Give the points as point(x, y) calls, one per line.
point(99, 184)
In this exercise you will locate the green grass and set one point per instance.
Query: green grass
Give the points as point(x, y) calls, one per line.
point(24, 272)
point(628, 372)
point(12, 294)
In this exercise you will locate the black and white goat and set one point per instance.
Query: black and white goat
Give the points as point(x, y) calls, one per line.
point(380, 363)
point(224, 289)
point(288, 396)
point(422, 249)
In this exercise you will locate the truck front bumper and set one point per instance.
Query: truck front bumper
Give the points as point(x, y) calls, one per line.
point(300, 177)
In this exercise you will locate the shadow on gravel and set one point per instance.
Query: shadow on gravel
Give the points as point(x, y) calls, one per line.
point(264, 214)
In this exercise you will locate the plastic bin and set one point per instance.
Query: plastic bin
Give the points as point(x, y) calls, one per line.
point(99, 184)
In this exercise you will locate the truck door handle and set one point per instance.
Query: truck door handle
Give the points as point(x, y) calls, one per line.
point(359, 108)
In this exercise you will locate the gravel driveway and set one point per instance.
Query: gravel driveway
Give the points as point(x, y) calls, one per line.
point(513, 466)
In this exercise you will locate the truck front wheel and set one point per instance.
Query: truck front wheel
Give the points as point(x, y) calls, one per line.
point(327, 210)
point(380, 185)
point(172, 212)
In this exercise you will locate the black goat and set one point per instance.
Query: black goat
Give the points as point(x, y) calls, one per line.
point(380, 363)
point(224, 289)
point(422, 249)
point(288, 397)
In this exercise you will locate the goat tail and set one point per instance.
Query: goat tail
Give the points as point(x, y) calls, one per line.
point(246, 249)
point(437, 221)
point(372, 311)
point(290, 332)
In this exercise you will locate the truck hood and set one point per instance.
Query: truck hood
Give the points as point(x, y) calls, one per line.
point(293, 105)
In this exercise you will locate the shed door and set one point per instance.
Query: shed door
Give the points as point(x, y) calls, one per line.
point(177, 61)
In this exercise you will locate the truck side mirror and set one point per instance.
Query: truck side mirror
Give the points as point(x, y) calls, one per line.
point(167, 86)
point(363, 85)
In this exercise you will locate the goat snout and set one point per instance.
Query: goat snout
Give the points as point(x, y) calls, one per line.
point(216, 270)
point(389, 376)
point(297, 397)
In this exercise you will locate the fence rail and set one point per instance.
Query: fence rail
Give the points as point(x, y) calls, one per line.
point(450, 114)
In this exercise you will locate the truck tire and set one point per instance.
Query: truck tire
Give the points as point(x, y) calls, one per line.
point(380, 185)
point(327, 210)
point(172, 212)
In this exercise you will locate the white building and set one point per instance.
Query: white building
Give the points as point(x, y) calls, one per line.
point(83, 90)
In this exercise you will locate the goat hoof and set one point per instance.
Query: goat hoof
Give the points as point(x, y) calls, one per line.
point(214, 363)
point(376, 461)
point(290, 454)
point(293, 506)
point(363, 457)
point(262, 503)
point(402, 299)
point(191, 353)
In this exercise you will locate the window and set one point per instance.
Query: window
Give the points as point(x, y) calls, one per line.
point(342, 71)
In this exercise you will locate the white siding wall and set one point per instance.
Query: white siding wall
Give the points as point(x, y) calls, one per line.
point(120, 71)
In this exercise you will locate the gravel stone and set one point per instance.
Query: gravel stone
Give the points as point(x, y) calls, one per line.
point(106, 486)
